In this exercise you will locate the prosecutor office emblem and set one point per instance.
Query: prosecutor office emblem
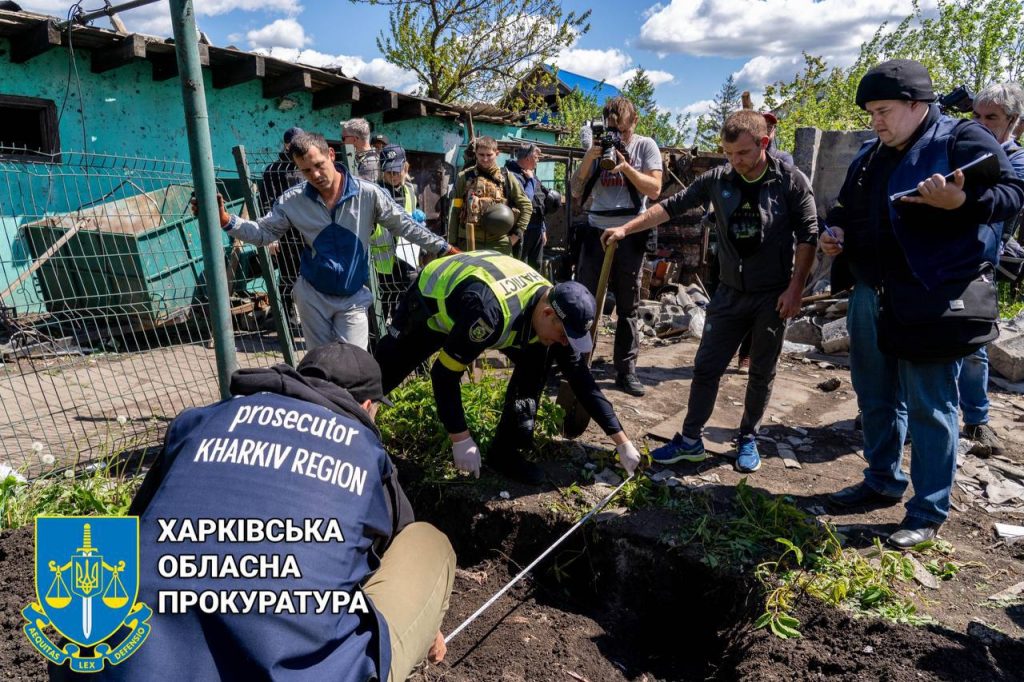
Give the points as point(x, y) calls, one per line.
point(480, 331)
point(87, 581)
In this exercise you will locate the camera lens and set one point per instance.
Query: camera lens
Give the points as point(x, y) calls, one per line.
point(608, 159)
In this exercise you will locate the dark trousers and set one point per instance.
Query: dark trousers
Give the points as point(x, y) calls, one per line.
point(532, 249)
point(412, 344)
point(731, 315)
point(624, 283)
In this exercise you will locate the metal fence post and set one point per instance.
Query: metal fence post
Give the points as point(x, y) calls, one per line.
point(284, 333)
point(200, 150)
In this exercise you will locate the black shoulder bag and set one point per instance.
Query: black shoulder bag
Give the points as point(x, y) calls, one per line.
point(944, 323)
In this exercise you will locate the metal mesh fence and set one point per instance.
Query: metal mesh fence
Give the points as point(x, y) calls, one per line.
point(103, 307)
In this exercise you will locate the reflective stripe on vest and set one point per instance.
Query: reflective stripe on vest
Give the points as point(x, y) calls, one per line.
point(382, 242)
point(513, 282)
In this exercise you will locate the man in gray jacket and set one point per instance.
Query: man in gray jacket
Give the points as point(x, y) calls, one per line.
point(765, 216)
point(335, 213)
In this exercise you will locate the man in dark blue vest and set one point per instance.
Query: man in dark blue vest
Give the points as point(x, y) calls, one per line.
point(937, 245)
point(291, 471)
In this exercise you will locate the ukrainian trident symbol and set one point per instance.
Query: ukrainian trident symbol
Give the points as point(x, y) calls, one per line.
point(70, 573)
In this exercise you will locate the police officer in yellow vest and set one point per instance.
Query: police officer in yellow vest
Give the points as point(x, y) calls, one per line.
point(465, 304)
point(394, 179)
point(488, 204)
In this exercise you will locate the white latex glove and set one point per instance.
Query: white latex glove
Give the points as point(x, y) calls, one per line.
point(629, 456)
point(467, 456)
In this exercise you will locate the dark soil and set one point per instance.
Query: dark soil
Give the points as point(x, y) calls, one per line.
point(618, 602)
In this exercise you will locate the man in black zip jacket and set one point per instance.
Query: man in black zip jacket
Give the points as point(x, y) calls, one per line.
point(947, 234)
point(765, 220)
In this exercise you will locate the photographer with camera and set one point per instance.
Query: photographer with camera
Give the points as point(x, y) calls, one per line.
point(621, 170)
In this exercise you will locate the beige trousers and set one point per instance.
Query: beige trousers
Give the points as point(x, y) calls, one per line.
point(411, 590)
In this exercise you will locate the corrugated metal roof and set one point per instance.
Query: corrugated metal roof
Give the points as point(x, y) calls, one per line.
point(588, 86)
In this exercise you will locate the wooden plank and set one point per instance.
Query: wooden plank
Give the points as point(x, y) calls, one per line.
point(333, 96)
point(285, 84)
point(375, 103)
point(165, 65)
point(241, 70)
point(131, 49)
point(34, 41)
point(789, 457)
point(405, 111)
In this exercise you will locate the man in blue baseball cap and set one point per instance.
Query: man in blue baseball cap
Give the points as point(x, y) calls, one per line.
point(465, 304)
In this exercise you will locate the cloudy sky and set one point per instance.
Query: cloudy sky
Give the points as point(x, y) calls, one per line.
point(688, 47)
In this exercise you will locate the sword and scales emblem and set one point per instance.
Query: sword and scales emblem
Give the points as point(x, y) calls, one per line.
point(89, 578)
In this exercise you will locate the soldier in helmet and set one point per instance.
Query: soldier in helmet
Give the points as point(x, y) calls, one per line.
point(474, 221)
point(465, 304)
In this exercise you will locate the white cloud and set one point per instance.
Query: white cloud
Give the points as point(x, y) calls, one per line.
point(376, 71)
point(762, 70)
point(698, 108)
point(722, 28)
point(656, 77)
point(612, 66)
point(155, 19)
point(601, 65)
point(279, 33)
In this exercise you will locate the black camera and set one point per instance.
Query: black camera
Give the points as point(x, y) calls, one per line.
point(960, 100)
point(610, 139)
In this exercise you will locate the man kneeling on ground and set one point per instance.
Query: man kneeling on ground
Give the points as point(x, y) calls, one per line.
point(325, 467)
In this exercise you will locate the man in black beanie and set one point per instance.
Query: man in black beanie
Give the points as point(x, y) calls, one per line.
point(924, 294)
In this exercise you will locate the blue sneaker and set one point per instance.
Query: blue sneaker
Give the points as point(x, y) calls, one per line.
point(749, 460)
point(676, 450)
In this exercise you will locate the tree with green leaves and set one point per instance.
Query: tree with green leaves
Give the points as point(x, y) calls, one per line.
point(968, 42)
point(464, 50)
point(709, 125)
point(652, 121)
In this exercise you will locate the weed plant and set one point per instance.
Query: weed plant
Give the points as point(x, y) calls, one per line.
point(411, 429)
point(794, 554)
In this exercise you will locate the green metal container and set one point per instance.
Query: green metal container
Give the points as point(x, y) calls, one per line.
point(138, 257)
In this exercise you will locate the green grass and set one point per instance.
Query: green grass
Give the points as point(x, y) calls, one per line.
point(412, 430)
point(1008, 307)
point(100, 493)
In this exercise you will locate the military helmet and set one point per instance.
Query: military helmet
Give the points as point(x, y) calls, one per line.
point(497, 220)
point(552, 202)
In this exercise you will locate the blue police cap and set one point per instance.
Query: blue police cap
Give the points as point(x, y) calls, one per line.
point(576, 308)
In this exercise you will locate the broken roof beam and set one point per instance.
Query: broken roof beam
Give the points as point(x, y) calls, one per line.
point(131, 49)
point(405, 111)
point(245, 68)
point(336, 95)
point(34, 41)
point(165, 64)
point(375, 102)
point(287, 83)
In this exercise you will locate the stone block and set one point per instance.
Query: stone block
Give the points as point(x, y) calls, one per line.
point(1006, 356)
point(834, 337)
point(804, 331)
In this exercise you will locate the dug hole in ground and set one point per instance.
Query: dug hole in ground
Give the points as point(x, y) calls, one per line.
point(666, 589)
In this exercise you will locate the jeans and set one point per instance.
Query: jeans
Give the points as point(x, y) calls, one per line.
point(895, 395)
point(973, 385)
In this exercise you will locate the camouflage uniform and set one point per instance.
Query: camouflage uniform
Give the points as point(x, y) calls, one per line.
point(475, 190)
